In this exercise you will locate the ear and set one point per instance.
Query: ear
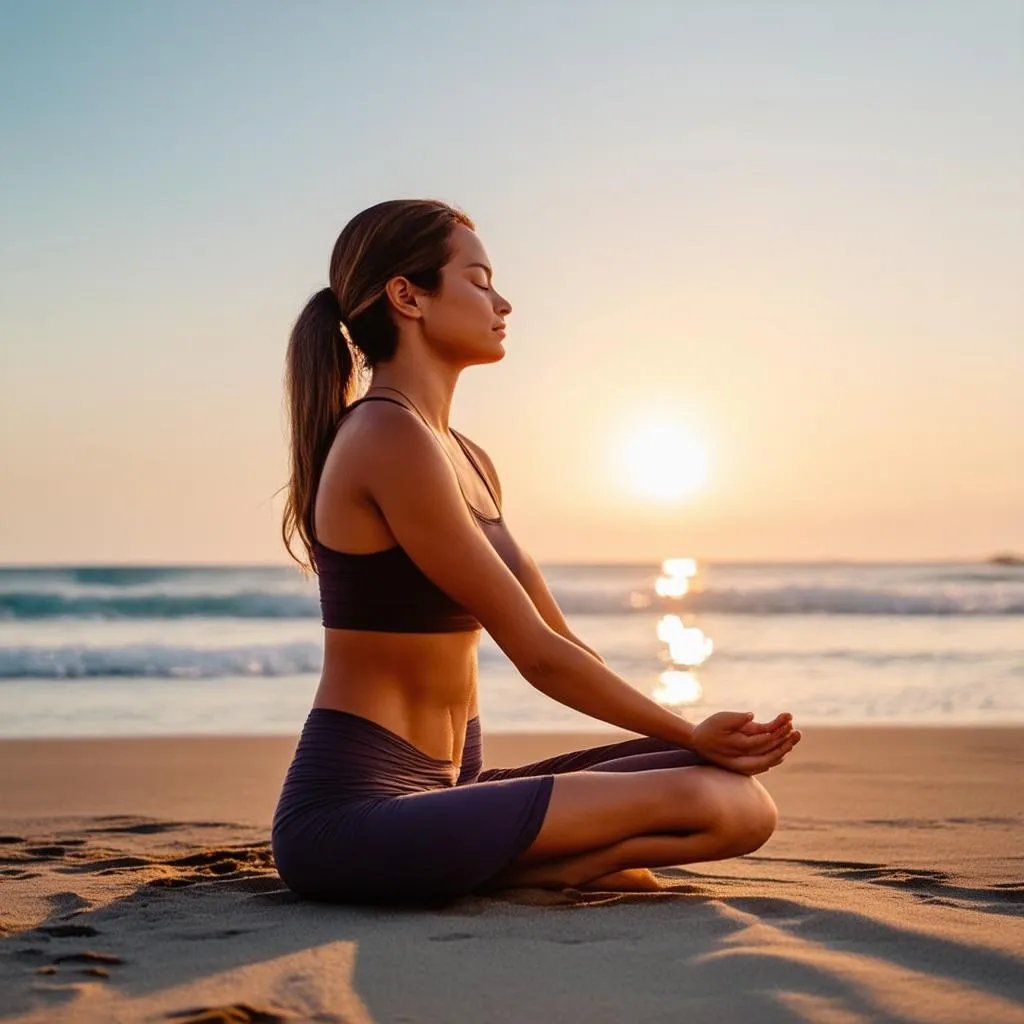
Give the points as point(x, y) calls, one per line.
point(404, 297)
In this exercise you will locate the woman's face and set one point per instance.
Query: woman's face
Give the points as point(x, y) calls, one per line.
point(465, 318)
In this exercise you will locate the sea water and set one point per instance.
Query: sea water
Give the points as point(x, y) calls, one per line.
point(93, 651)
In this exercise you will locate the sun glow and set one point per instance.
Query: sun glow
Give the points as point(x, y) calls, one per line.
point(664, 462)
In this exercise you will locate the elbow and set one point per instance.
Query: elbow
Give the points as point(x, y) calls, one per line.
point(545, 659)
point(584, 647)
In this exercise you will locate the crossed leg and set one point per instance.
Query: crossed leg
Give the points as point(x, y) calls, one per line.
point(641, 754)
point(666, 806)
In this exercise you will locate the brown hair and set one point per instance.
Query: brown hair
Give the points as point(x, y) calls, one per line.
point(401, 237)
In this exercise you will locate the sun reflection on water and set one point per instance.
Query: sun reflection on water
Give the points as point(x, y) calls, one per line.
point(677, 687)
point(687, 646)
point(676, 576)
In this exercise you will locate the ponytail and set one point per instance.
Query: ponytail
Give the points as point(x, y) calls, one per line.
point(318, 383)
point(399, 237)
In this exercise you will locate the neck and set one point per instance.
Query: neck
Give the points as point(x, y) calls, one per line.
point(430, 388)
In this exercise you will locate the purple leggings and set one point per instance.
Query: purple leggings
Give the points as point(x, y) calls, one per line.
point(366, 817)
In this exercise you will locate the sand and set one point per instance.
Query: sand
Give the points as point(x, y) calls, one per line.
point(136, 885)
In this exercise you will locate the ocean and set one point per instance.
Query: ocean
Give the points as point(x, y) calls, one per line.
point(180, 650)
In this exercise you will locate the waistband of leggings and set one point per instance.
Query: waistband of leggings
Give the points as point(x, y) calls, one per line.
point(345, 740)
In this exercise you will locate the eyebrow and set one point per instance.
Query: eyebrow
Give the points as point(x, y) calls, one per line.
point(482, 265)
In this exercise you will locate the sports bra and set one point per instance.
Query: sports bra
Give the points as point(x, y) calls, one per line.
point(386, 590)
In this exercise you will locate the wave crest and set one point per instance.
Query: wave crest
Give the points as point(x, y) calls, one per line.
point(780, 600)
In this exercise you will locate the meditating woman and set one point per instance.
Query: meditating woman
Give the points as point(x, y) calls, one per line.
point(400, 516)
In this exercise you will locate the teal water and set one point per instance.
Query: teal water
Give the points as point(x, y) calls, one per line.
point(184, 650)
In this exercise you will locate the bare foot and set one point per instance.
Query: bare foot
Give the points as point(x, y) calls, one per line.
point(628, 880)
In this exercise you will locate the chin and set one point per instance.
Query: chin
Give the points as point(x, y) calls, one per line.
point(492, 351)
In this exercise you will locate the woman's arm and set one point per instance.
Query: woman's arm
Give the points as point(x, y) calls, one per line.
point(528, 572)
point(415, 487)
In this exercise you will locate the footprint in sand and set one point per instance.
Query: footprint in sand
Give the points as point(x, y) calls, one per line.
point(139, 828)
point(927, 884)
point(234, 863)
point(236, 1013)
point(69, 931)
point(88, 957)
point(452, 937)
point(93, 965)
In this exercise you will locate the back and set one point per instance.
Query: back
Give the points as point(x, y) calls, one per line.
point(409, 562)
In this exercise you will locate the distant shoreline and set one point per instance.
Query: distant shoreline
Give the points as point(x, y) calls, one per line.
point(997, 559)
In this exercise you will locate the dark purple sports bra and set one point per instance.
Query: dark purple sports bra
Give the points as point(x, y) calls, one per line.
point(386, 590)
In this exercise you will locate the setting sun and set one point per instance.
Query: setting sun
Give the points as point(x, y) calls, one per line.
point(664, 462)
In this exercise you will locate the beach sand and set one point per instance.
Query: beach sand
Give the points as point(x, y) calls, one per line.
point(136, 884)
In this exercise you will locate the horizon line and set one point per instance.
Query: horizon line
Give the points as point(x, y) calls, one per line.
point(832, 560)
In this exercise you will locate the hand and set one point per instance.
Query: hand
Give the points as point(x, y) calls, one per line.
point(732, 740)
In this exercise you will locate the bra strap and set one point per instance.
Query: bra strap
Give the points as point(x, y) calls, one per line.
point(458, 438)
point(479, 471)
point(373, 398)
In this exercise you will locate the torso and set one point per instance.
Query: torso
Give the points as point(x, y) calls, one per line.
point(422, 686)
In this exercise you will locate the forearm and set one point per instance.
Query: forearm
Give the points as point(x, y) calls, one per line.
point(573, 676)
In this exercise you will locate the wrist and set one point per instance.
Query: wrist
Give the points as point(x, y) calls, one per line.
point(683, 731)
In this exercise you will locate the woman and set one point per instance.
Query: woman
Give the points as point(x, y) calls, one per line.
point(401, 517)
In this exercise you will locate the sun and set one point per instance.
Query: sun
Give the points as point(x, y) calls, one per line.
point(664, 462)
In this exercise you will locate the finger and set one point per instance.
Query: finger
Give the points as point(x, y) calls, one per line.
point(760, 729)
point(762, 762)
point(762, 744)
point(779, 756)
point(757, 744)
point(778, 724)
point(747, 745)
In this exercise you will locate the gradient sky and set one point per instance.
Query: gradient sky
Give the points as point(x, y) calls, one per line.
point(794, 229)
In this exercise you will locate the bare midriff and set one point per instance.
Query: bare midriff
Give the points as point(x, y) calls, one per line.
point(421, 686)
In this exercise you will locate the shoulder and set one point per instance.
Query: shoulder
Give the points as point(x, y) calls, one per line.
point(380, 438)
point(385, 425)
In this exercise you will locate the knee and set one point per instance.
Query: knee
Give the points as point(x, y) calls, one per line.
point(752, 817)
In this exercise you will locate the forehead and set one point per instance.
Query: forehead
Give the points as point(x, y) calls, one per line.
point(467, 247)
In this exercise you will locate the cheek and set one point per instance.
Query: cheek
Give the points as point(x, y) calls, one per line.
point(466, 311)
point(475, 301)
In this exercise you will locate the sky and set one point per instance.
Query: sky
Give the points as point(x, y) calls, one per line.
point(793, 231)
